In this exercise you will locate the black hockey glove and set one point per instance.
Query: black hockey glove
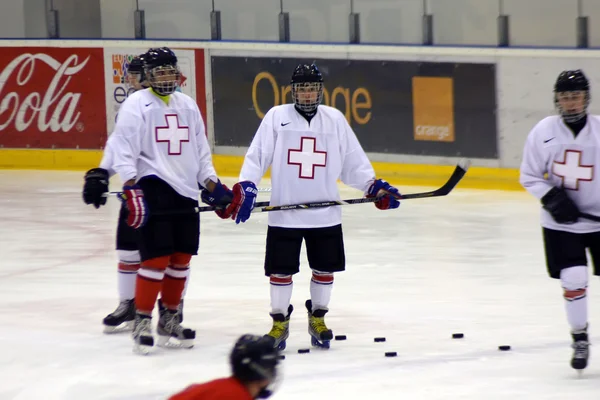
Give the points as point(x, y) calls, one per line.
point(96, 184)
point(560, 206)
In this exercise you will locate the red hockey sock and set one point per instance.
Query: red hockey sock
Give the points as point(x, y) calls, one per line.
point(174, 280)
point(148, 283)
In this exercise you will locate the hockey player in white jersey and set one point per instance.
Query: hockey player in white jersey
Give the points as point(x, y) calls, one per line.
point(94, 192)
point(162, 155)
point(559, 168)
point(308, 147)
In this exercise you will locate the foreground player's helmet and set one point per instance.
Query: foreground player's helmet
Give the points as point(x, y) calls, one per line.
point(307, 87)
point(161, 70)
point(572, 95)
point(136, 78)
point(254, 358)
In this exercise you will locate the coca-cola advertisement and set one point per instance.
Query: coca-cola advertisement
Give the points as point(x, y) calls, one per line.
point(52, 98)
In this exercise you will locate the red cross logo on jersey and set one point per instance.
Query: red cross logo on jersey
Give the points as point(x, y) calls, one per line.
point(307, 157)
point(571, 171)
point(173, 133)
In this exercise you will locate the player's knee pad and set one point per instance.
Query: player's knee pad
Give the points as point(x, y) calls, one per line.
point(322, 278)
point(158, 263)
point(129, 256)
point(180, 259)
point(574, 281)
point(280, 280)
point(129, 261)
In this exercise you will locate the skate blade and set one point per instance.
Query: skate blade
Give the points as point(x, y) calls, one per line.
point(281, 346)
point(141, 349)
point(321, 344)
point(122, 328)
point(170, 342)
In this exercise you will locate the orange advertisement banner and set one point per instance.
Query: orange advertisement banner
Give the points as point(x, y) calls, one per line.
point(433, 108)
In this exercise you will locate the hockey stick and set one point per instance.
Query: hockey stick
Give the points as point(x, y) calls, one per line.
point(107, 194)
point(263, 206)
point(590, 217)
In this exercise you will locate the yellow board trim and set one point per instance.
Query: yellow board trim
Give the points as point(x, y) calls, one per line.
point(229, 166)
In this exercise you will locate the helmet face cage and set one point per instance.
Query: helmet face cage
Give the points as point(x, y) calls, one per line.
point(273, 386)
point(164, 79)
point(134, 80)
point(307, 95)
point(569, 115)
point(569, 88)
point(135, 74)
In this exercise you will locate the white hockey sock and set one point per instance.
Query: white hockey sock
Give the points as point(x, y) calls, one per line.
point(321, 285)
point(574, 282)
point(129, 263)
point(281, 293)
point(577, 312)
point(187, 282)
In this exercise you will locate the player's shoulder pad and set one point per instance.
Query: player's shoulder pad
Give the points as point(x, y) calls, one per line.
point(594, 118)
point(545, 125)
point(182, 96)
point(277, 114)
point(331, 112)
point(133, 102)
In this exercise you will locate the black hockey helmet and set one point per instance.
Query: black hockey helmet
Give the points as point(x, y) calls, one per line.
point(162, 71)
point(254, 358)
point(136, 77)
point(572, 81)
point(307, 79)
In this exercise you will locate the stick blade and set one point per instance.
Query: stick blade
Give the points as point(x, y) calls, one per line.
point(464, 163)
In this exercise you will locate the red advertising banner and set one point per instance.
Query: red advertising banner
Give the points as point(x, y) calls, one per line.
point(52, 98)
point(201, 83)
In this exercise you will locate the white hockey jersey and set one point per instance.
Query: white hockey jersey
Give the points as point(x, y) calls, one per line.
point(108, 157)
point(306, 161)
point(169, 141)
point(554, 157)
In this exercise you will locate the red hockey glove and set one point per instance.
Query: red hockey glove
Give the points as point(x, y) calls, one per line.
point(387, 195)
point(133, 196)
point(221, 196)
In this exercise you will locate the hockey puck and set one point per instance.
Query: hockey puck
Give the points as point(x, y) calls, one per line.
point(458, 335)
point(379, 339)
point(504, 348)
point(302, 351)
point(391, 354)
point(340, 337)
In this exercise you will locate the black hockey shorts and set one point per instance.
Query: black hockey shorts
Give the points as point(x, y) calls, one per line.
point(566, 249)
point(127, 237)
point(324, 249)
point(168, 234)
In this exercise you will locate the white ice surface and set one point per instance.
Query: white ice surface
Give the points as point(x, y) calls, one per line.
point(471, 262)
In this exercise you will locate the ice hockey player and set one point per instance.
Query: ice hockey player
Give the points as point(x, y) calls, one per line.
point(558, 168)
point(253, 363)
point(136, 79)
point(162, 155)
point(308, 147)
point(94, 192)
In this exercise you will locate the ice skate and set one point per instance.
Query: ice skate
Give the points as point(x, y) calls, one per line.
point(142, 334)
point(162, 309)
point(319, 333)
point(170, 332)
point(581, 350)
point(122, 319)
point(281, 329)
